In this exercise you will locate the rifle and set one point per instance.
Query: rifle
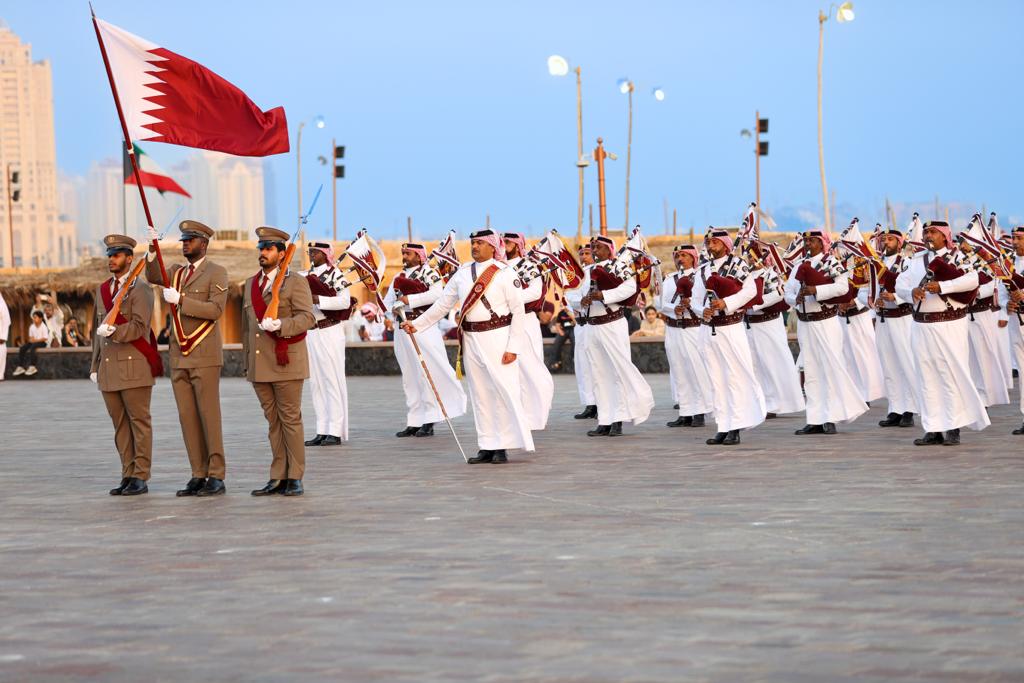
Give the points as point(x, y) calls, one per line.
point(282, 266)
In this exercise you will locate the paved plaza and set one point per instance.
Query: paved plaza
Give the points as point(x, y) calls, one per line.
point(650, 557)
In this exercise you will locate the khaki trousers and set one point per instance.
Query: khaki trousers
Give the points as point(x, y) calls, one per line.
point(197, 393)
point(282, 406)
point(133, 429)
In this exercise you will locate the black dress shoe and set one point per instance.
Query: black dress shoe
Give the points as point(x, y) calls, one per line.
point(500, 457)
point(770, 416)
point(408, 431)
point(810, 429)
point(602, 430)
point(615, 429)
point(134, 487)
point(681, 421)
point(717, 439)
point(331, 440)
point(828, 428)
point(951, 438)
point(732, 438)
point(425, 430)
point(1018, 431)
point(273, 486)
point(315, 441)
point(698, 421)
point(214, 487)
point(194, 486)
point(891, 420)
point(116, 491)
point(292, 487)
point(481, 457)
point(675, 407)
point(589, 413)
point(929, 439)
point(907, 419)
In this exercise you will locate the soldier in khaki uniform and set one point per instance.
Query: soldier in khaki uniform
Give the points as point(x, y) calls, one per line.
point(276, 361)
point(124, 364)
point(198, 291)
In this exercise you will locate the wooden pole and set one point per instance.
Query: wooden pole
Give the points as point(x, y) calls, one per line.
point(757, 158)
point(602, 203)
point(673, 222)
point(822, 18)
point(579, 151)
point(10, 214)
point(334, 190)
point(591, 212)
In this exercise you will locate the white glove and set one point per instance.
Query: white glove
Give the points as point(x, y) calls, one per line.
point(270, 324)
point(105, 330)
point(152, 233)
point(92, 377)
point(171, 295)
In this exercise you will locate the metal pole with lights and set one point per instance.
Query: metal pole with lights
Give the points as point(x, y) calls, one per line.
point(319, 123)
point(844, 13)
point(13, 194)
point(559, 66)
point(626, 87)
point(760, 150)
point(337, 171)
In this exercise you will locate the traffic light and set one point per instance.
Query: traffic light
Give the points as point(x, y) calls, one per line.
point(15, 183)
point(762, 145)
point(762, 126)
point(339, 169)
point(763, 148)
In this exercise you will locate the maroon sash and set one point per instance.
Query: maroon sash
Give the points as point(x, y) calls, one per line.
point(321, 288)
point(943, 271)
point(146, 347)
point(259, 307)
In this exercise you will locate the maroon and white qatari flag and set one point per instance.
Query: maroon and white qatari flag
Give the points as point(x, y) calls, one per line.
point(169, 98)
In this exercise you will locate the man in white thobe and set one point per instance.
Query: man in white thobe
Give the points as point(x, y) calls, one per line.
point(945, 389)
point(326, 344)
point(5, 330)
point(688, 371)
point(492, 340)
point(620, 390)
point(584, 375)
point(738, 397)
point(534, 377)
point(1015, 313)
point(892, 336)
point(987, 362)
point(860, 348)
point(832, 394)
point(422, 409)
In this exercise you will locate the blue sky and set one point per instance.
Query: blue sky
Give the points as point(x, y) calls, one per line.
point(448, 112)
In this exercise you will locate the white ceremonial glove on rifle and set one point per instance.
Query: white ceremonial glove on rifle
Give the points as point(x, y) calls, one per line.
point(92, 377)
point(270, 325)
point(171, 295)
point(151, 233)
point(105, 330)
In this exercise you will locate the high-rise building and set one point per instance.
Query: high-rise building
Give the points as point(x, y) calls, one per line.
point(32, 226)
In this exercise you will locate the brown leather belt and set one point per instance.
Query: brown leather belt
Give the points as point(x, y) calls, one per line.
point(415, 312)
point(941, 316)
point(683, 322)
point(853, 312)
point(980, 305)
point(823, 314)
point(495, 323)
point(607, 317)
point(754, 318)
point(723, 320)
point(325, 323)
point(901, 311)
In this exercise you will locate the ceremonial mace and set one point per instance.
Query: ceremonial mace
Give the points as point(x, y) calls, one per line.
point(423, 364)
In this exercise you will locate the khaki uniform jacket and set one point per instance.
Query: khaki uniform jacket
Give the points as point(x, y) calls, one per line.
point(203, 298)
point(296, 314)
point(119, 365)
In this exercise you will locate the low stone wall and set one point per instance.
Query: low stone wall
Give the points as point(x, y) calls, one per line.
point(364, 358)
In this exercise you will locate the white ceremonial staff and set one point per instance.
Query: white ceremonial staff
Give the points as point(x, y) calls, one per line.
point(437, 395)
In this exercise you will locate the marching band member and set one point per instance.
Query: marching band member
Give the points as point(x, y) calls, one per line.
point(619, 389)
point(940, 285)
point(581, 333)
point(724, 287)
point(534, 377)
point(687, 370)
point(892, 335)
point(1015, 311)
point(413, 291)
point(816, 283)
point(332, 306)
point(859, 346)
point(492, 319)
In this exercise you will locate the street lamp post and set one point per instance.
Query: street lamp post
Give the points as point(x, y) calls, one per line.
point(626, 87)
point(319, 123)
point(843, 14)
point(559, 66)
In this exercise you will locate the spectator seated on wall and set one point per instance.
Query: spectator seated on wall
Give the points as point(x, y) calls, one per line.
point(38, 338)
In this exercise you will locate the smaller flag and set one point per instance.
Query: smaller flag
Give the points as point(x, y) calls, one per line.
point(151, 173)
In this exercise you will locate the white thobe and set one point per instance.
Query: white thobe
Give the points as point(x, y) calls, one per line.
point(420, 402)
point(861, 350)
point(987, 361)
point(688, 373)
point(534, 377)
point(892, 339)
point(494, 388)
point(1016, 334)
point(945, 390)
point(832, 394)
point(584, 375)
point(738, 398)
point(773, 360)
point(5, 330)
point(327, 358)
point(620, 391)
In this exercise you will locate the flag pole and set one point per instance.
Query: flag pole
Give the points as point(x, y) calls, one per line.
point(129, 147)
